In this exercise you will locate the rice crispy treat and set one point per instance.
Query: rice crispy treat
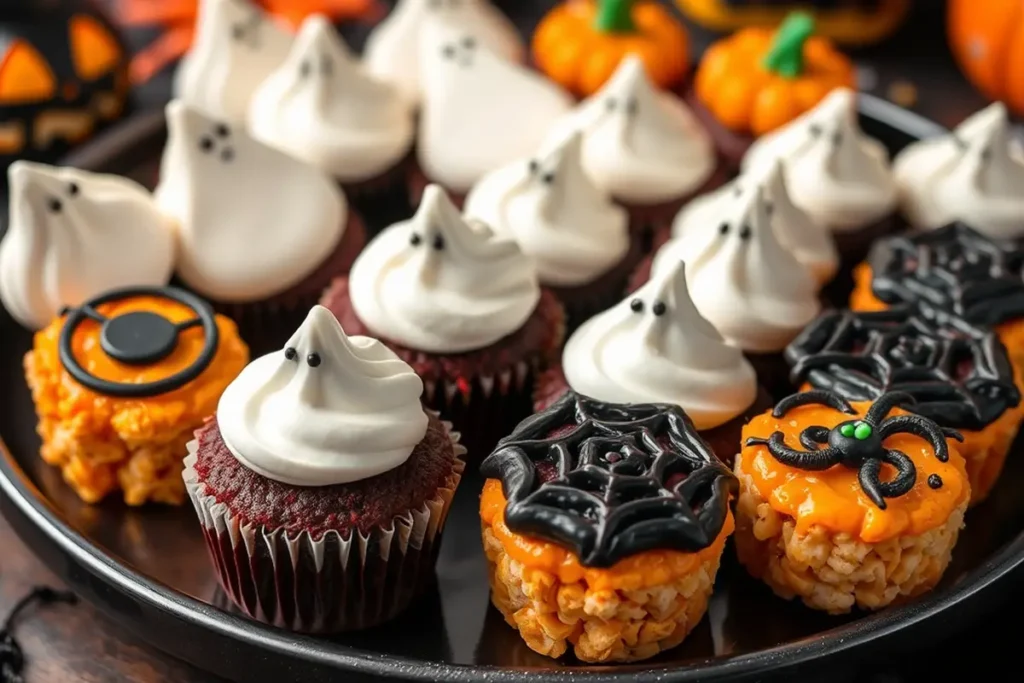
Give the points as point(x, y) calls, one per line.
point(103, 441)
point(848, 505)
point(564, 578)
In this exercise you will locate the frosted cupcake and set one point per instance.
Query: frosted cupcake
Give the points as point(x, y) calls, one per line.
point(235, 48)
point(655, 347)
point(322, 472)
point(393, 48)
point(974, 175)
point(322, 107)
point(463, 307)
point(834, 172)
point(479, 111)
point(260, 233)
point(73, 235)
point(577, 237)
point(642, 146)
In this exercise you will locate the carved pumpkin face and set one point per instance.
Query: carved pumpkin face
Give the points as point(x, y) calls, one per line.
point(63, 75)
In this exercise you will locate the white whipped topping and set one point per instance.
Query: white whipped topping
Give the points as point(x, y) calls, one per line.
point(811, 244)
point(440, 284)
point(393, 48)
point(654, 347)
point(321, 106)
point(755, 293)
point(834, 172)
point(329, 409)
point(641, 144)
point(556, 214)
point(73, 235)
point(251, 221)
point(975, 175)
point(480, 111)
point(236, 46)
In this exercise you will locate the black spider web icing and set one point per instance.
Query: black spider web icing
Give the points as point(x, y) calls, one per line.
point(953, 270)
point(958, 376)
point(626, 479)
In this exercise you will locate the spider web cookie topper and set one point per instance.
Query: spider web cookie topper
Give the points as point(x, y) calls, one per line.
point(859, 443)
point(954, 270)
point(959, 376)
point(610, 481)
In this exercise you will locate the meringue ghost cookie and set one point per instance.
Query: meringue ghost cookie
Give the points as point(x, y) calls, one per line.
point(559, 218)
point(811, 244)
point(236, 46)
point(251, 221)
point(654, 347)
point(641, 145)
point(755, 293)
point(328, 409)
point(322, 107)
point(438, 283)
point(393, 48)
point(834, 172)
point(480, 111)
point(73, 235)
point(974, 175)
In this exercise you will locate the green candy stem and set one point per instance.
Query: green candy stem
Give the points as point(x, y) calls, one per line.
point(615, 16)
point(786, 56)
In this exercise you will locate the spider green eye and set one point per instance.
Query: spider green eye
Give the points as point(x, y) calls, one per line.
point(862, 431)
point(846, 430)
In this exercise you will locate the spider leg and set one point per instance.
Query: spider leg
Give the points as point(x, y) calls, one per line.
point(906, 474)
point(868, 476)
point(813, 437)
point(886, 402)
point(813, 461)
point(817, 397)
point(918, 426)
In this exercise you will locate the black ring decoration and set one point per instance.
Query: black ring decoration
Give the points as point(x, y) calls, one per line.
point(139, 338)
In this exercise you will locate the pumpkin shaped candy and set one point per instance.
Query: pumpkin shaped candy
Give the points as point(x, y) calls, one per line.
point(580, 43)
point(987, 39)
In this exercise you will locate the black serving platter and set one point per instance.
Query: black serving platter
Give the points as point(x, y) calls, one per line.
point(148, 569)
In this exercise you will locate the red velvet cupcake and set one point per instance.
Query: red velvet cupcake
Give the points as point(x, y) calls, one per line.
point(462, 307)
point(322, 485)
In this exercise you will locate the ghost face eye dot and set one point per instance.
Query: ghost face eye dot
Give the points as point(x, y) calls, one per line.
point(415, 239)
point(448, 51)
point(533, 166)
point(290, 353)
point(837, 138)
point(610, 104)
point(238, 31)
point(469, 42)
point(305, 69)
point(548, 178)
point(658, 308)
point(632, 107)
point(221, 130)
point(205, 143)
point(73, 189)
point(637, 305)
point(313, 359)
point(723, 229)
point(815, 130)
point(227, 154)
point(438, 242)
point(54, 205)
point(745, 232)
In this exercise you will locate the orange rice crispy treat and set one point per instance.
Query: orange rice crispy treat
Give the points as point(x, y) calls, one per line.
point(104, 443)
point(816, 535)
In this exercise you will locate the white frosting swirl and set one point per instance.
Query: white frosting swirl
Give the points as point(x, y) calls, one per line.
point(811, 244)
point(641, 144)
point(252, 221)
point(834, 172)
point(73, 235)
point(393, 48)
point(330, 409)
point(480, 111)
point(975, 175)
point(322, 107)
point(556, 214)
point(654, 347)
point(755, 293)
point(440, 284)
point(236, 46)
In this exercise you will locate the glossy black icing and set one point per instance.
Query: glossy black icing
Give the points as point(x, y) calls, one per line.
point(626, 479)
point(139, 338)
point(958, 375)
point(858, 443)
point(951, 271)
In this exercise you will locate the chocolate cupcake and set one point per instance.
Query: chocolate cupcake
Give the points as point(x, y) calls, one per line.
point(957, 376)
point(463, 307)
point(654, 347)
point(834, 172)
point(578, 239)
point(260, 233)
point(322, 485)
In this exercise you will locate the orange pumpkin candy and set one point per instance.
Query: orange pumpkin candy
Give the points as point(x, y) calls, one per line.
point(579, 43)
point(987, 39)
point(758, 79)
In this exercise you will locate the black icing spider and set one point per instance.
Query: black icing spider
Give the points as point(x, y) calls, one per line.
point(858, 443)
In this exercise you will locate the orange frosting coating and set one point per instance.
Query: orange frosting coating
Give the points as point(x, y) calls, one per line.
point(645, 570)
point(833, 498)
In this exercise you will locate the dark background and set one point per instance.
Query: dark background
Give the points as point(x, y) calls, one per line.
point(65, 644)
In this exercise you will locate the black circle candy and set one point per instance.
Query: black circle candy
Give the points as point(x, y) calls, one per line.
point(139, 338)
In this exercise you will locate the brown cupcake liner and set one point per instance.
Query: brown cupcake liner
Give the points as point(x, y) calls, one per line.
point(330, 584)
